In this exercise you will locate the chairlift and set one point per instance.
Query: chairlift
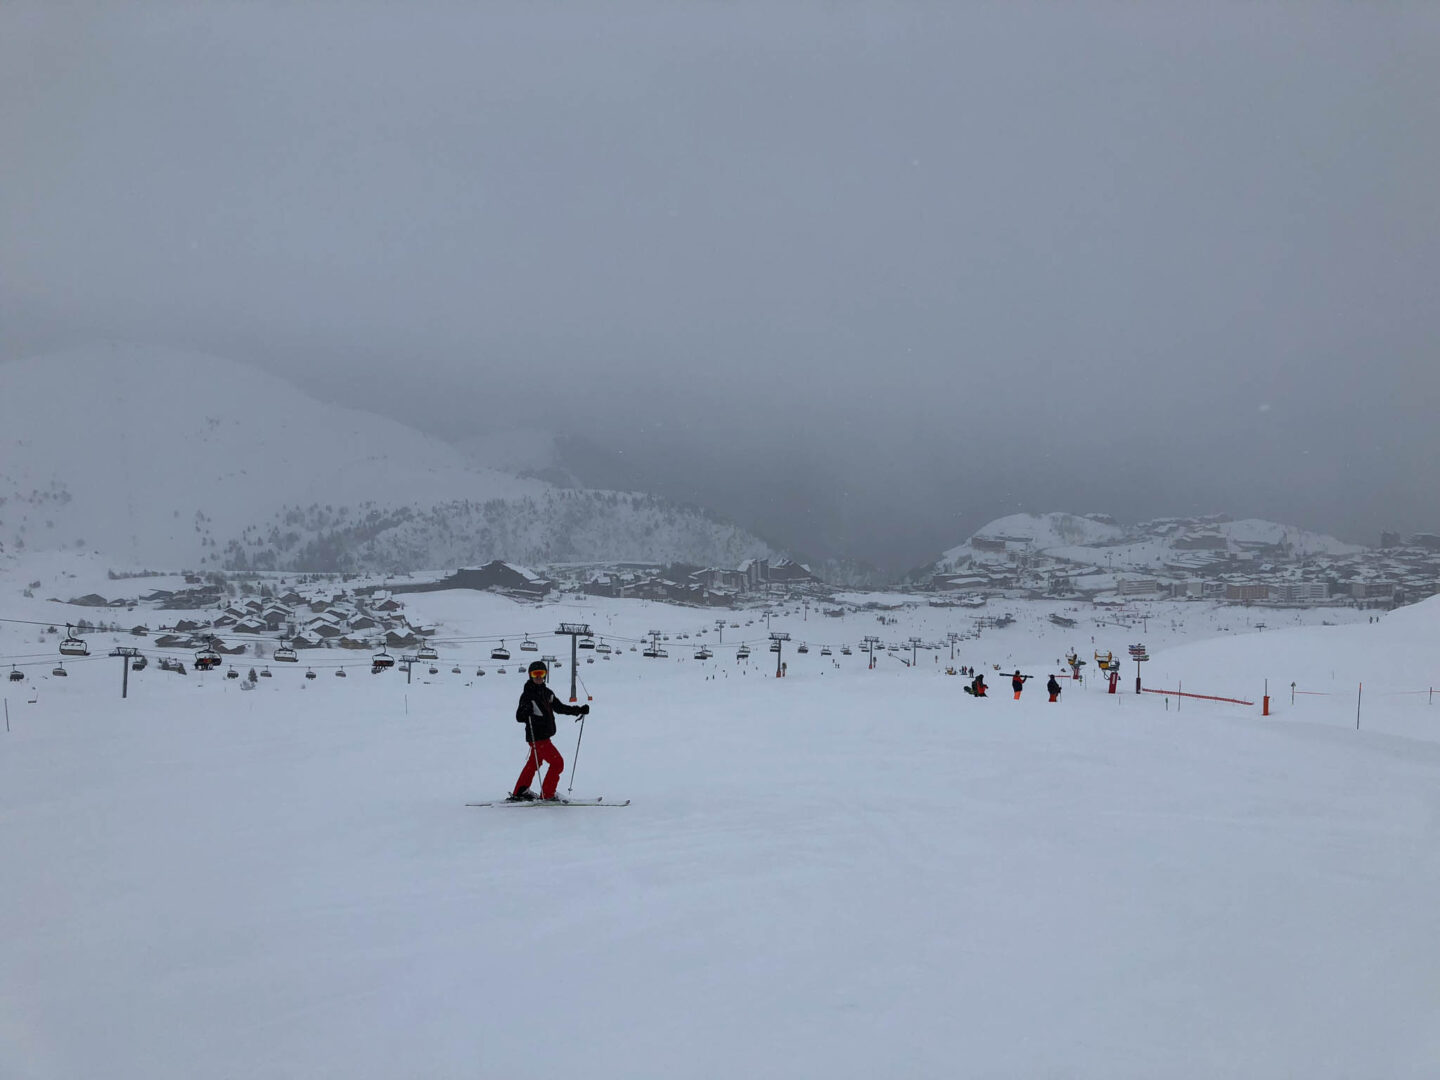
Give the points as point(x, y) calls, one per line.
point(529, 646)
point(774, 646)
point(500, 652)
point(286, 655)
point(845, 650)
point(479, 671)
point(382, 660)
point(16, 675)
point(803, 648)
point(742, 653)
point(591, 659)
point(265, 673)
point(72, 645)
point(426, 652)
point(586, 643)
point(310, 673)
point(703, 653)
point(340, 673)
point(603, 648)
point(650, 653)
point(455, 670)
point(661, 654)
point(206, 659)
point(501, 671)
point(139, 663)
point(434, 670)
point(825, 650)
point(232, 674)
point(60, 671)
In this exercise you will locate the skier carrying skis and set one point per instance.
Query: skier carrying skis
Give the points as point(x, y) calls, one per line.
point(1017, 683)
point(537, 709)
point(1053, 688)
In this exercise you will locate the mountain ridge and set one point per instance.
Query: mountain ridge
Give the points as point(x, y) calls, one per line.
point(158, 456)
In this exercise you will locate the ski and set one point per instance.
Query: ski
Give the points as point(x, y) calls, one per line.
point(600, 801)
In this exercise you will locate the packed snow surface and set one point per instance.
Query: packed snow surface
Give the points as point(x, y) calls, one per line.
point(845, 872)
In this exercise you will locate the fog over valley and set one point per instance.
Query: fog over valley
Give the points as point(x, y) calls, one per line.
point(857, 278)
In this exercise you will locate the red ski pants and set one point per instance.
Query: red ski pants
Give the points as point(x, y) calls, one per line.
point(545, 751)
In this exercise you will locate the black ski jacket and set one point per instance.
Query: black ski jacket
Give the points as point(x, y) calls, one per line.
point(537, 709)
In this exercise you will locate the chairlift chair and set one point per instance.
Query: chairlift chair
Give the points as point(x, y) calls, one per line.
point(72, 645)
point(286, 655)
point(382, 660)
point(586, 643)
point(603, 648)
point(803, 648)
point(434, 670)
point(500, 652)
point(265, 673)
point(139, 663)
point(16, 675)
point(232, 674)
point(825, 650)
point(529, 646)
point(206, 659)
point(60, 671)
point(479, 671)
point(742, 653)
point(426, 652)
point(340, 673)
point(501, 671)
point(455, 670)
point(310, 673)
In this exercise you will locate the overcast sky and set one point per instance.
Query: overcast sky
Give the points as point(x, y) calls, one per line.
point(861, 275)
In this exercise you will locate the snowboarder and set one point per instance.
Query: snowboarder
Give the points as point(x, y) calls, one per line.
point(977, 688)
point(1017, 683)
point(537, 709)
point(1053, 688)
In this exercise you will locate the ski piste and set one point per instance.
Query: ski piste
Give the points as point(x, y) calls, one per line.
point(550, 802)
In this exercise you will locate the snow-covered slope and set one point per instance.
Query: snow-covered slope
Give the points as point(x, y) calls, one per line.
point(163, 458)
point(844, 873)
point(1098, 540)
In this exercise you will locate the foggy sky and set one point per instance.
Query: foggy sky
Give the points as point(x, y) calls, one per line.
point(863, 276)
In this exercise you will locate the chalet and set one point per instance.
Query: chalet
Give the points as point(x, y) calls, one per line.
point(363, 622)
point(496, 576)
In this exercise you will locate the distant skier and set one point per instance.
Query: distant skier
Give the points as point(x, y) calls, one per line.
point(978, 687)
point(536, 710)
point(1053, 688)
point(1017, 683)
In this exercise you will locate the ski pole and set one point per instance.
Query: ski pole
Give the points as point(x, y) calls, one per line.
point(576, 763)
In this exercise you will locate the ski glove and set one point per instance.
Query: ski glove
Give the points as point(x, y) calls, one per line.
point(584, 710)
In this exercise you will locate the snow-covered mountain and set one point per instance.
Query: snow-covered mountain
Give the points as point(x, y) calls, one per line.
point(1099, 540)
point(163, 458)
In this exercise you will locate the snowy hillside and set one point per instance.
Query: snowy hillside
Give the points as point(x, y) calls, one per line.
point(168, 459)
point(849, 872)
point(1098, 540)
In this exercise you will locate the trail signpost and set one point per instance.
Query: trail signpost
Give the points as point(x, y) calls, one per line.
point(1139, 655)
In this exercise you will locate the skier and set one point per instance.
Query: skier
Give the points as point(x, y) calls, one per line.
point(1017, 683)
point(537, 709)
point(1053, 687)
point(978, 687)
